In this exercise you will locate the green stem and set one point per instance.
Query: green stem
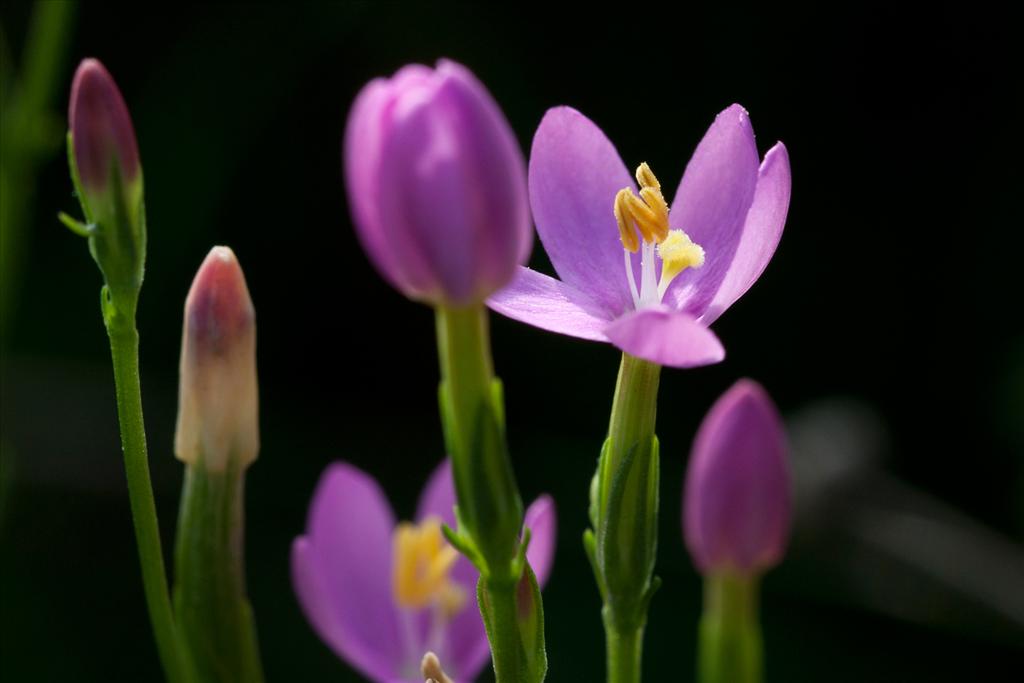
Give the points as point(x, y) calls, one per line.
point(464, 350)
point(506, 644)
point(634, 407)
point(630, 429)
point(490, 510)
point(473, 410)
point(124, 350)
point(730, 649)
point(624, 652)
point(214, 615)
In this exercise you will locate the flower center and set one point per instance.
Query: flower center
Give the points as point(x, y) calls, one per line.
point(421, 567)
point(643, 226)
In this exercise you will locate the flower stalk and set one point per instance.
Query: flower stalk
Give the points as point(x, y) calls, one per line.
point(124, 350)
point(736, 515)
point(729, 640)
point(107, 175)
point(489, 510)
point(622, 544)
point(217, 438)
point(209, 594)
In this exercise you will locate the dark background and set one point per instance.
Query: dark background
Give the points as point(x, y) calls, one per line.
point(887, 327)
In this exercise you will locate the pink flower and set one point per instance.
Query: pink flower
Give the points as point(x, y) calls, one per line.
point(726, 220)
point(382, 594)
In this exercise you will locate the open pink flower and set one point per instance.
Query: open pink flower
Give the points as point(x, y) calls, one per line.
point(731, 208)
point(381, 594)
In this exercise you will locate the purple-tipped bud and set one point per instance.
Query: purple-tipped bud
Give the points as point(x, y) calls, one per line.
point(101, 129)
point(218, 401)
point(736, 503)
point(437, 185)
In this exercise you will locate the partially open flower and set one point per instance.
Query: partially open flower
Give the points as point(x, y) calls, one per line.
point(736, 503)
point(437, 185)
point(218, 398)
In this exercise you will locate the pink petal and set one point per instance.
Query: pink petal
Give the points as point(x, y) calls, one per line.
point(667, 337)
point(761, 232)
point(369, 119)
point(574, 175)
point(711, 205)
point(341, 571)
point(464, 650)
point(542, 522)
point(547, 303)
point(438, 496)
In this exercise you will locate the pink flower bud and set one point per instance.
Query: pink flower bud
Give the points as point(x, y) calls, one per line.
point(218, 398)
point(101, 129)
point(736, 502)
point(437, 185)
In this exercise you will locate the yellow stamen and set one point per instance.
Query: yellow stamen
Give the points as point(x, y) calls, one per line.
point(422, 563)
point(624, 218)
point(678, 252)
point(654, 199)
point(648, 212)
point(645, 176)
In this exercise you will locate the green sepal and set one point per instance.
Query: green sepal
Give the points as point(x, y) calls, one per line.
point(530, 618)
point(76, 226)
point(527, 620)
point(520, 562)
point(464, 544)
point(492, 511)
point(590, 548)
point(76, 180)
point(115, 225)
point(596, 485)
point(626, 540)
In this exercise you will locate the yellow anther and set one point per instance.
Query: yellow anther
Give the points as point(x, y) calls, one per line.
point(645, 176)
point(678, 252)
point(648, 212)
point(422, 562)
point(648, 222)
point(624, 217)
point(654, 199)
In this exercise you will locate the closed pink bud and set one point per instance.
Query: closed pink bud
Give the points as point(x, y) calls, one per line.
point(218, 397)
point(437, 185)
point(101, 129)
point(736, 502)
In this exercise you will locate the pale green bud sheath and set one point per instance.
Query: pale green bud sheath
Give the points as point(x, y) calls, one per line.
point(217, 438)
point(107, 175)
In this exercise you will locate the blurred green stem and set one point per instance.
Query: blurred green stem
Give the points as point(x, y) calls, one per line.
point(730, 636)
point(30, 132)
point(124, 350)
